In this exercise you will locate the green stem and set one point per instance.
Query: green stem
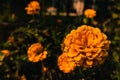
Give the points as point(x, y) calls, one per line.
point(80, 71)
point(43, 74)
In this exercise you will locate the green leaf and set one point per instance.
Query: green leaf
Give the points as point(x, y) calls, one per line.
point(116, 56)
point(114, 15)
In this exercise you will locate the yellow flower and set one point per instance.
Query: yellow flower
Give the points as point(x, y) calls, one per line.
point(33, 8)
point(36, 53)
point(65, 64)
point(86, 46)
point(90, 13)
point(5, 52)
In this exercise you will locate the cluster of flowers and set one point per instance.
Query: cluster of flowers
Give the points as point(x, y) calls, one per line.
point(33, 8)
point(35, 53)
point(86, 47)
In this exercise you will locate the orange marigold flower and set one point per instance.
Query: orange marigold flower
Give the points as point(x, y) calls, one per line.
point(33, 8)
point(65, 64)
point(86, 46)
point(36, 53)
point(90, 13)
point(5, 52)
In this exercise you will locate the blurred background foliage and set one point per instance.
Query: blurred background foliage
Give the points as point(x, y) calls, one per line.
point(19, 30)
